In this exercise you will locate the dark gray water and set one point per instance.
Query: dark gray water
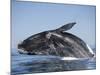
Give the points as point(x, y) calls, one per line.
point(27, 64)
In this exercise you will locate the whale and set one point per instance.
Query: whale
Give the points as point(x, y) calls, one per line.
point(57, 42)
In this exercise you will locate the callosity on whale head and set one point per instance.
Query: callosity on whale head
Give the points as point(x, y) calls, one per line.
point(56, 42)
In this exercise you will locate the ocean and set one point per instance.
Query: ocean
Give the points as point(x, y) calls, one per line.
point(28, 64)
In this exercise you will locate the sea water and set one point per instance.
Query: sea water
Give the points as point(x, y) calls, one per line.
point(27, 64)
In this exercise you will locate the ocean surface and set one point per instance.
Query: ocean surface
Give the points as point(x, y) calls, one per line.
point(28, 64)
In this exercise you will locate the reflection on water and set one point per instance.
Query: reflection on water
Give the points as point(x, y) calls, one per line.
point(23, 64)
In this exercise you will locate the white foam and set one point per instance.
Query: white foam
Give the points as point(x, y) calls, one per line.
point(72, 58)
point(69, 58)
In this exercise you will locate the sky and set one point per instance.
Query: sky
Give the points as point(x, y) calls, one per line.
point(29, 18)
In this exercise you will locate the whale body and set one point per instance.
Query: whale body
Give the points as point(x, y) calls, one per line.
point(56, 42)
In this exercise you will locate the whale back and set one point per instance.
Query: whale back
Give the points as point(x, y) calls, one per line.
point(56, 42)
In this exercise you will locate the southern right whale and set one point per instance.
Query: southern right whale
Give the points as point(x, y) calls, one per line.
point(56, 42)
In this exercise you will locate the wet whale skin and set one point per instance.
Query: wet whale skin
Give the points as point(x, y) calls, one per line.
point(56, 42)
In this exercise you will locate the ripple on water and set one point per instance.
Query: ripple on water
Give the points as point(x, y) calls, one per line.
point(22, 64)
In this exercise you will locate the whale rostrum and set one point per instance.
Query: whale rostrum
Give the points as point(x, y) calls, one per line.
point(56, 42)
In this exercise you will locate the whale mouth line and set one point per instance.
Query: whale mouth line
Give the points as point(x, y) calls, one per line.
point(22, 51)
point(60, 58)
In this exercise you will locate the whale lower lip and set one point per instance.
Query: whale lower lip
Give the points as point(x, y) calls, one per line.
point(21, 51)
